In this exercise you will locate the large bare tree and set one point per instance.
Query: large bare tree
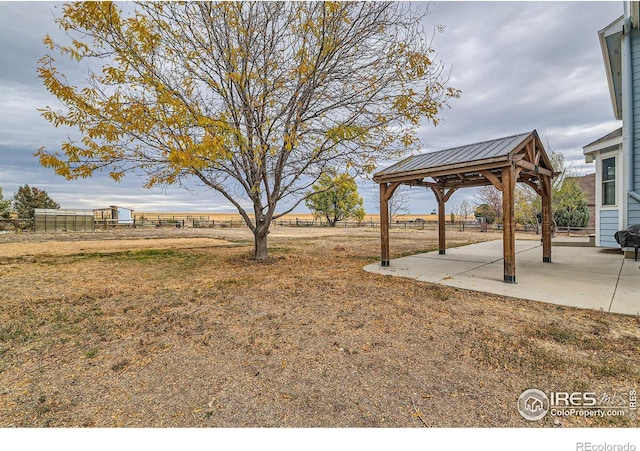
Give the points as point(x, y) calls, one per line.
point(255, 100)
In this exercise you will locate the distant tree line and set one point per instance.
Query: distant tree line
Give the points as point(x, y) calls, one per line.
point(569, 203)
point(24, 202)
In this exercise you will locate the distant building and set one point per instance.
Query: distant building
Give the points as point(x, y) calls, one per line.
point(113, 215)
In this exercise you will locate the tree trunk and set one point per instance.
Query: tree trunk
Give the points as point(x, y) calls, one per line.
point(260, 241)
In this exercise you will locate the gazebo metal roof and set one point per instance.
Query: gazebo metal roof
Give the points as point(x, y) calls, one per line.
point(487, 150)
point(460, 166)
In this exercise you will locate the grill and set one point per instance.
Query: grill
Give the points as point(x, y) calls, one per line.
point(629, 238)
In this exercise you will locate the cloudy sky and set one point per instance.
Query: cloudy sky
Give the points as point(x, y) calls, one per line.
point(520, 66)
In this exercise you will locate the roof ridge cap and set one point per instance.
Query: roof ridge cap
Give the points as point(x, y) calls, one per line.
point(476, 143)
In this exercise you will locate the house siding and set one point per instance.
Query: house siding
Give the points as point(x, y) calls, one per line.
point(608, 227)
point(633, 206)
point(635, 63)
point(633, 212)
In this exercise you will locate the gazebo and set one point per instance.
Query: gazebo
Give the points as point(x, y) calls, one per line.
point(500, 162)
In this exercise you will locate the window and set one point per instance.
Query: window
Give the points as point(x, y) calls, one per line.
point(609, 181)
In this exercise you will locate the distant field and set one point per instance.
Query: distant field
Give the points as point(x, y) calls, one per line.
point(236, 217)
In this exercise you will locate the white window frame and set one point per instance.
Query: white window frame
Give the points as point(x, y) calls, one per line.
point(617, 154)
point(614, 182)
point(599, 156)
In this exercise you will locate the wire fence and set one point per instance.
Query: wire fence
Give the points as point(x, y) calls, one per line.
point(16, 225)
point(204, 222)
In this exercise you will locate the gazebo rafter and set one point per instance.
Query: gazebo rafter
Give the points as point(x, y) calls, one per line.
point(500, 162)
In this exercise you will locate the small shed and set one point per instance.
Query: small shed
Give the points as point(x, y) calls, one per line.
point(63, 220)
point(114, 215)
point(499, 162)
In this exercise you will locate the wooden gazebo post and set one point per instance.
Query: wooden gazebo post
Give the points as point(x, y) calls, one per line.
point(442, 197)
point(546, 219)
point(386, 191)
point(509, 223)
point(384, 226)
point(442, 242)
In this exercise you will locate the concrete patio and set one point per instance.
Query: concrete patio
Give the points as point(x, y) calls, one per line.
point(584, 277)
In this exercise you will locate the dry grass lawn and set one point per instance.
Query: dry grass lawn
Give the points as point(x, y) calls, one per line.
point(180, 328)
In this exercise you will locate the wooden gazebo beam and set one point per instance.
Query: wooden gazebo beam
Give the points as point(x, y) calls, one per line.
point(461, 169)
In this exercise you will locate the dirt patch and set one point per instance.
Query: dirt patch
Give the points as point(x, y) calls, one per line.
point(104, 246)
point(191, 332)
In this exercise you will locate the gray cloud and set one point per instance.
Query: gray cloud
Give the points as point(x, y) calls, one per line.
point(520, 66)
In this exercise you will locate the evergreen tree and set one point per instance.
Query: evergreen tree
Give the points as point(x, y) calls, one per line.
point(5, 207)
point(570, 206)
point(487, 212)
point(27, 199)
